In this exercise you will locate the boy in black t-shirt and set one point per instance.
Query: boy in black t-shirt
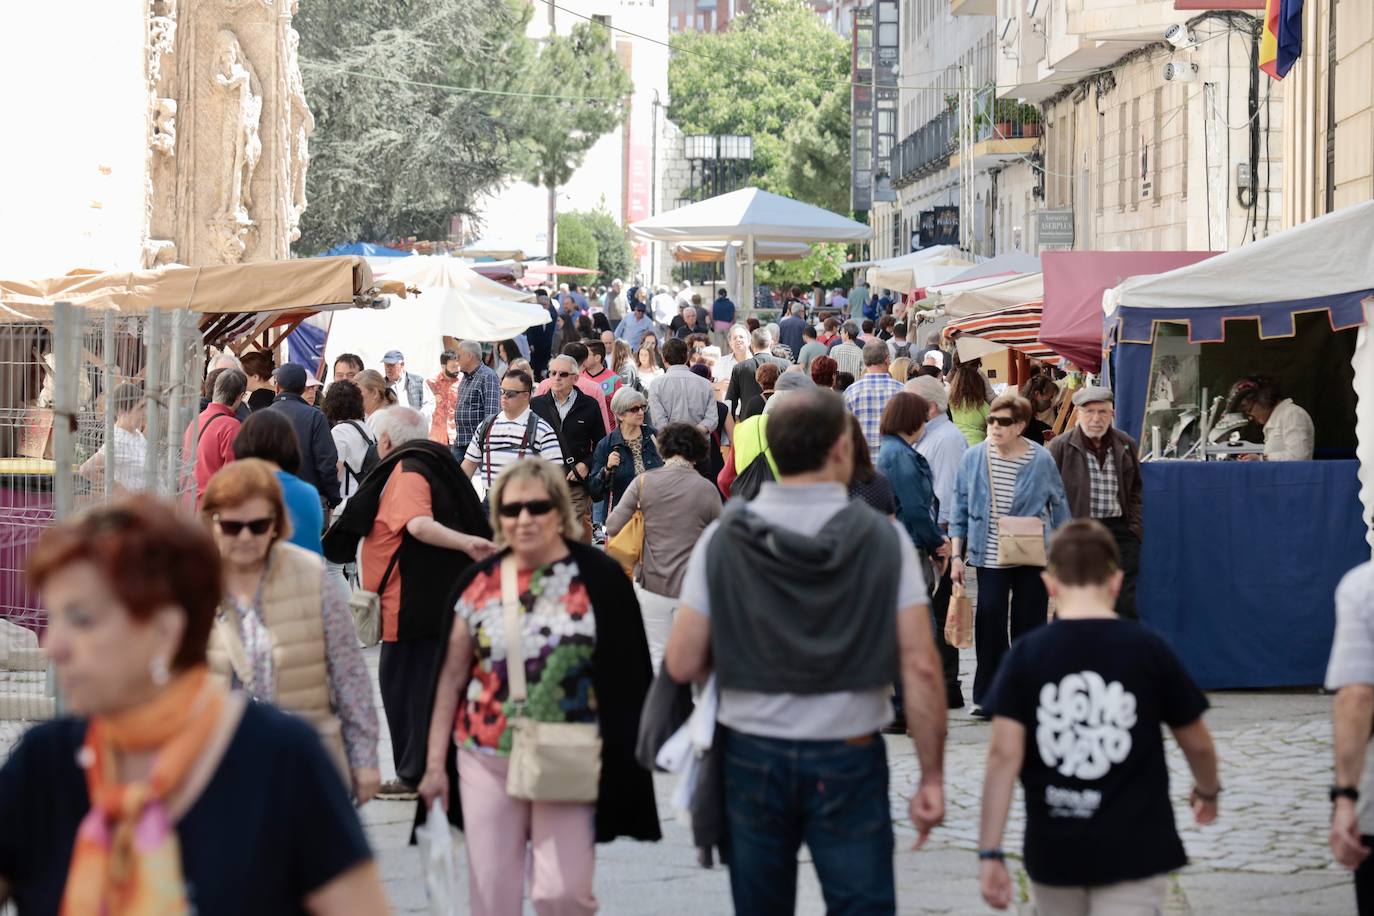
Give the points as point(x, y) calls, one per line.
point(1077, 708)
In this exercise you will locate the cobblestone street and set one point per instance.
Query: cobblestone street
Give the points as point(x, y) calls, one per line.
point(1265, 854)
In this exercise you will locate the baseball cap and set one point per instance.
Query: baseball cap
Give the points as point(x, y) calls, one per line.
point(393, 357)
point(290, 376)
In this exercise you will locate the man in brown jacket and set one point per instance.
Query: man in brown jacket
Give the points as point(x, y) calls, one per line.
point(1101, 470)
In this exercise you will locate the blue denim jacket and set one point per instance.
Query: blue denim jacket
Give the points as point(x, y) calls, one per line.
point(1039, 492)
point(914, 486)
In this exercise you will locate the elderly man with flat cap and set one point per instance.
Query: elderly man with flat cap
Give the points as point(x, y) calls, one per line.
point(1101, 470)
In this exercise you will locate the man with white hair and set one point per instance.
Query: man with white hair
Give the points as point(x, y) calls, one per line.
point(615, 303)
point(744, 387)
point(942, 445)
point(664, 307)
point(792, 330)
point(420, 526)
point(479, 395)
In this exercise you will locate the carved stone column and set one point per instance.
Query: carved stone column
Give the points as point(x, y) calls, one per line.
point(228, 131)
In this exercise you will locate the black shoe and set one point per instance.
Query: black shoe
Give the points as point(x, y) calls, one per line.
point(979, 712)
point(954, 697)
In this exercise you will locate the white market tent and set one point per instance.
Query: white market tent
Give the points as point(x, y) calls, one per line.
point(1311, 267)
point(750, 216)
point(453, 300)
point(1010, 262)
point(992, 293)
point(927, 267)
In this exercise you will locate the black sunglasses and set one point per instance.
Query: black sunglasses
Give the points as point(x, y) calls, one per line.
point(513, 392)
point(562, 374)
point(536, 507)
point(257, 527)
point(1001, 421)
point(638, 408)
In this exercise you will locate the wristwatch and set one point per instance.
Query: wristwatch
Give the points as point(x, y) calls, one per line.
point(1349, 792)
point(994, 854)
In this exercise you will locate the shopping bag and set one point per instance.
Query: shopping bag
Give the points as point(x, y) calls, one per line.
point(439, 844)
point(959, 620)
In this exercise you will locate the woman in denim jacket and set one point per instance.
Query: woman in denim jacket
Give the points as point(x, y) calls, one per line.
point(1025, 482)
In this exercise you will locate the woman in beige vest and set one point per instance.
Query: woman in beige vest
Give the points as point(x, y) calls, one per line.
point(283, 632)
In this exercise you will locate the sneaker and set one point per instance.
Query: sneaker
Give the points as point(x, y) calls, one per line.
point(599, 535)
point(979, 712)
point(396, 790)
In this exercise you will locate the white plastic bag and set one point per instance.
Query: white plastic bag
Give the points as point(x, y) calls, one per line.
point(439, 844)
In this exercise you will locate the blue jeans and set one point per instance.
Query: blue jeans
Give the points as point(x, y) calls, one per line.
point(832, 795)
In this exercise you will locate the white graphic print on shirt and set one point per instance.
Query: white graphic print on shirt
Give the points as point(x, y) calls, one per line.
point(1084, 725)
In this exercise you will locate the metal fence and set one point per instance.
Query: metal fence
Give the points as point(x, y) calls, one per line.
point(92, 405)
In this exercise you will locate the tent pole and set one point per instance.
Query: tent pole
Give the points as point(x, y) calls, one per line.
point(747, 278)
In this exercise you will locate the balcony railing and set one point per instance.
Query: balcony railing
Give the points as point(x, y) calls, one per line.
point(924, 150)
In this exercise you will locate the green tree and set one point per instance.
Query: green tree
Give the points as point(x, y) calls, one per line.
point(615, 256)
point(818, 153)
point(825, 264)
point(393, 154)
point(576, 242)
point(559, 133)
point(773, 69)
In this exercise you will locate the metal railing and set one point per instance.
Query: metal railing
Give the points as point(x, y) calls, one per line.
point(924, 150)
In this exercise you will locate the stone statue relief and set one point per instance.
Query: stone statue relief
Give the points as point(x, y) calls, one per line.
point(301, 126)
point(243, 112)
point(235, 78)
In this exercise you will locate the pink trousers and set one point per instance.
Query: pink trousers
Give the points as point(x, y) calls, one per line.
point(562, 838)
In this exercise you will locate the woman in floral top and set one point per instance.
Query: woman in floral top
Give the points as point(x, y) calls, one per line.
point(586, 660)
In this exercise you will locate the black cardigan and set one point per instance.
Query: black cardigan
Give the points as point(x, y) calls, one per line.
point(621, 674)
point(427, 572)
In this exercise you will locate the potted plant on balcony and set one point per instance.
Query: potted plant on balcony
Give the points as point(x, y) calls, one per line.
point(1029, 120)
point(1004, 114)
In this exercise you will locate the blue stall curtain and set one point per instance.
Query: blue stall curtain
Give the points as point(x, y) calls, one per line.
point(1240, 564)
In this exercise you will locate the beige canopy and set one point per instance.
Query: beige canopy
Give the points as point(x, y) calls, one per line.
point(289, 289)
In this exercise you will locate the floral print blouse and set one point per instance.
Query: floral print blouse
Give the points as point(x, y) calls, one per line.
point(558, 635)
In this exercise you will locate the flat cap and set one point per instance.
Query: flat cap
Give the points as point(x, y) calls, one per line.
point(1091, 394)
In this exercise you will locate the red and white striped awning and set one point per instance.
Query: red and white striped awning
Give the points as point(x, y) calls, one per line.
point(1016, 327)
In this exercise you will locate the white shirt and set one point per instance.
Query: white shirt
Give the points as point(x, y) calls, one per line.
point(501, 445)
point(1288, 434)
point(351, 444)
point(129, 459)
point(665, 308)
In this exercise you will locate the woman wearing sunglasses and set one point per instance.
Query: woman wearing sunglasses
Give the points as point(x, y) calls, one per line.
point(1004, 478)
point(585, 661)
point(284, 633)
point(626, 453)
point(159, 791)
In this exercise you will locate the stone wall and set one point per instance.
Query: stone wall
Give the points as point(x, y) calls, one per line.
point(674, 178)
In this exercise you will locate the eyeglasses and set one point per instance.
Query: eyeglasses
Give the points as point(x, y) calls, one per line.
point(535, 507)
point(513, 392)
point(562, 374)
point(1003, 422)
point(257, 527)
point(638, 408)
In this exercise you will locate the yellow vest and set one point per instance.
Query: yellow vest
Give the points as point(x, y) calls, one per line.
point(293, 611)
point(748, 440)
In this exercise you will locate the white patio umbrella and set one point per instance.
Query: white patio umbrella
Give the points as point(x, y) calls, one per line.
point(750, 216)
point(453, 300)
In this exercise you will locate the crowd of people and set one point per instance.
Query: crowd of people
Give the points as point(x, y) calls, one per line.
point(761, 477)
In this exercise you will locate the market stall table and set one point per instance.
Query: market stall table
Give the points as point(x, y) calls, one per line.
point(1240, 562)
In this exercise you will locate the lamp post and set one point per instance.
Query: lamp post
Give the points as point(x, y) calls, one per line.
point(719, 164)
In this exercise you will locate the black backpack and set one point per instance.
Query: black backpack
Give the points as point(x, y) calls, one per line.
point(370, 460)
point(902, 350)
point(752, 478)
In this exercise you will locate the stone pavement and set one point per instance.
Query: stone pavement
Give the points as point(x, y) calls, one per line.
point(1266, 854)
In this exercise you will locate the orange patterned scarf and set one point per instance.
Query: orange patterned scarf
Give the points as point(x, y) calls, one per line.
point(126, 861)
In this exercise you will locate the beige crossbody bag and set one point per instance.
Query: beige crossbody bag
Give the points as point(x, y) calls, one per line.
point(1020, 538)
point(549, 761)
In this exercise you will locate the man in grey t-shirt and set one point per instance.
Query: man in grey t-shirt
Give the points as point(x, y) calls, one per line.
point(1350, 673)
point(807, 766)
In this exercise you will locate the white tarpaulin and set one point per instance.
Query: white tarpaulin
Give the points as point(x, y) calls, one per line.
point(1010, 291)
point(1322, 257)
point(1011, 262)
point(717, 251)
point(453, 300)
point(917, 270)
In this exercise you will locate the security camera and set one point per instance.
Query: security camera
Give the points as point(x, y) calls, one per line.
point(1184, 72)
point(1180, 36)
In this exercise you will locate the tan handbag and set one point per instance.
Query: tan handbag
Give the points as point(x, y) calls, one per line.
point(959, 620)
point(549, 761)
point(366, 608)
point(627, 547)
point(1020, 538)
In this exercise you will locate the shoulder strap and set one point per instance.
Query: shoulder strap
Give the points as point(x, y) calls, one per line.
point(362, 431)
point(992, 492)
point(381, 586)
point(531, 430)
point(206, 424)
point(510, 608)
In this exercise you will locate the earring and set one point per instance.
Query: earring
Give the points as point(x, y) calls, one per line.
point(157, 670)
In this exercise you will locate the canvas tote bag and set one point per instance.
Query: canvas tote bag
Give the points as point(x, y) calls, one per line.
point(1020, 538)
point(549, 761)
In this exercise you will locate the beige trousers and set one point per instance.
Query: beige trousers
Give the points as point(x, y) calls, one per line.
point(582, 509)
point(1127, 898)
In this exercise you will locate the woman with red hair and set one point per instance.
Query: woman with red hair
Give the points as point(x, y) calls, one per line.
point(166, 793)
